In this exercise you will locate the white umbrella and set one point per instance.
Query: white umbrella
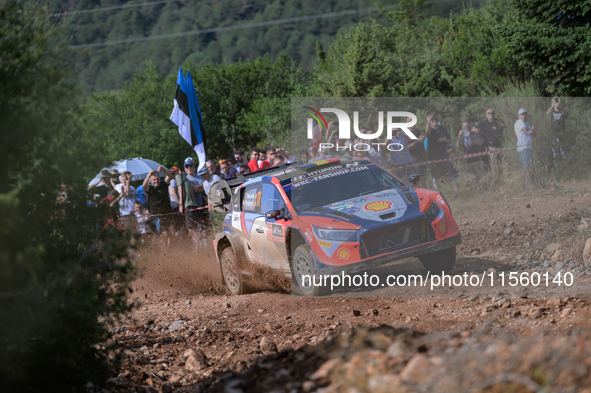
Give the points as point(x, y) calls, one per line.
point(139, 168)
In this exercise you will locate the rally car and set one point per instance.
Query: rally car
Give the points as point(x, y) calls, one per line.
point(329, 217)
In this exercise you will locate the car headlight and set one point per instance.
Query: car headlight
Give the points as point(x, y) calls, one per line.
point(340, 235)
point(433, 211)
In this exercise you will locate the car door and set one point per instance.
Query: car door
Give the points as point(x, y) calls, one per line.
point(273, 252)
point(246, 221)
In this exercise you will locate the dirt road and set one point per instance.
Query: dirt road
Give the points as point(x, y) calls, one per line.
point(187, 335)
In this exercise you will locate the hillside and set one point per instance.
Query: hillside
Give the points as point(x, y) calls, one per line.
point(109, 67)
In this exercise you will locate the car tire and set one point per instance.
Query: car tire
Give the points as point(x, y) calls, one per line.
point(303, 264)
point(439, 261)
point(230, 272)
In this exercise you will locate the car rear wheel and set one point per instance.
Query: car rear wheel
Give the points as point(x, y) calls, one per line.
point(302, 265)
point(232, 276)
point(439, 261)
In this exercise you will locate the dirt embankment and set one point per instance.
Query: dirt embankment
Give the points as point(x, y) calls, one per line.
point(187, 335)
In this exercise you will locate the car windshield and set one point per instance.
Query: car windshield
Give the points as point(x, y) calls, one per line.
point(340, 185)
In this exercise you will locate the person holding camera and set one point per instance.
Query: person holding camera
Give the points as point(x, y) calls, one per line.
point(108, 184)
point(437, 140)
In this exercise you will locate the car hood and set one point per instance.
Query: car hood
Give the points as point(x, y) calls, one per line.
point(383, 206)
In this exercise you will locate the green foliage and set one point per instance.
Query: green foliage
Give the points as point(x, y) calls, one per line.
point(57, 271)
point(106, 68)
point(553, 41)
point(457, 56)
point(243, 105)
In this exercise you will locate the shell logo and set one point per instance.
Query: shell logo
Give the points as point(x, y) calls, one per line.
point(378, 206)
point(343, 253)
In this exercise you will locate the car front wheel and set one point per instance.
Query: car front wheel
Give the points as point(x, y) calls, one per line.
point(303, 271)
point(439, 261)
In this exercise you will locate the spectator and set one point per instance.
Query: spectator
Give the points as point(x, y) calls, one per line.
point(471, 142)
point(108, 184)
point(212, 167)
point(227, 170)
point(558, 128)
point(208, 180)
point(112, 198)
point(399, 155)
point(304, 156)
point(313, 153)
point(141, 195)
point(240, 158)
point(142, 219)
point(437, 140)
point(416, 148)
point(287, 156)
point(323, 154)
point(253, 164)
point(278, 161)
point(271, 154)
point(115, 175)
point(492, 130)
point(128, 197)
point(524, 133)
point(263, 157)
point(244, 170)
point(175, 199)
point(190, 188)
point(159, 199)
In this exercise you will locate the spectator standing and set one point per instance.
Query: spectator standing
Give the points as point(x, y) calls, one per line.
point(437, 140)
point(128, 197)
point(240, 158)
point(524, 133)
point(190, 188)
point(399, 155)
point(492, 130)
point(142, 219)
point(159, 199)
point(278, 161)
point(227, 169)
point(416, 148)
point(313, 153)
point(471, 142)
point(108, 184)
point(212, 167)
point(141, 195)
point(208, 180)
point(175, 199)
point(304, 156)
point(558, 128)
point(323, 154)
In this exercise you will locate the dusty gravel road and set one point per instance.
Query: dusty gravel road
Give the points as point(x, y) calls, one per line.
point(187, 335)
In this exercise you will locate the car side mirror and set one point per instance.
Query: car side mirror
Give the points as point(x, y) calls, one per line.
point(414, 179)
point(273, 213)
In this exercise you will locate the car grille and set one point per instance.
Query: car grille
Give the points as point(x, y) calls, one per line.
point(393, 238)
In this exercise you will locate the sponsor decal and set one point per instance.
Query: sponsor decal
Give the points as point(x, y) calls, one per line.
point(327, 175)
point(257, 199)
point(317, 172)
point(308, 235)
point(277, 230)
point(442, 226)
point(440, 200)
point(343, 253)
point(378, 206)
point(343, 207)
point(324, 244)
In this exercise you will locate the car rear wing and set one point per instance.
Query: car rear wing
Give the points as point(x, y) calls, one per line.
point(221, 191)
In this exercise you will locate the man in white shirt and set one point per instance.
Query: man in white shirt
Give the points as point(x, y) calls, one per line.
point(128, 197)
point(524, 133)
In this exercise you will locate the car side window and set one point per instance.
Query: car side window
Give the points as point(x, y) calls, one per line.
point(251, 199)
point(236, 201)
point(272, 200)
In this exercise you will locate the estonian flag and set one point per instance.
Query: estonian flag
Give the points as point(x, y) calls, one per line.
point(187, 116)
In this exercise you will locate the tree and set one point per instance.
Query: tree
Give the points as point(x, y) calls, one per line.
point(553, 41)
point(56, 270)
